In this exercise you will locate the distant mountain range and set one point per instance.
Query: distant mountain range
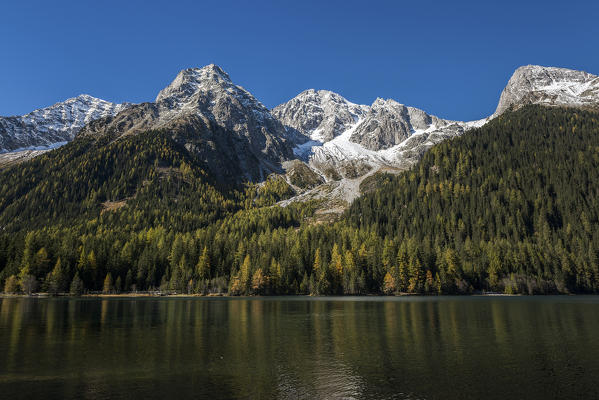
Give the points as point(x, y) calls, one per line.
point(226, 127)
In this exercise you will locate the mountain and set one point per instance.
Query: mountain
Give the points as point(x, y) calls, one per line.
point(157, 196)
point(318, 115)
point(345, 143)
point(54, 125)
point(389, 123)
point(220, 123)
point(509, 207)
point(238, 139)
point(533, 84)
point(329, 131)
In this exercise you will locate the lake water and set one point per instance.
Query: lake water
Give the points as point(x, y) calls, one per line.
point(300, 348)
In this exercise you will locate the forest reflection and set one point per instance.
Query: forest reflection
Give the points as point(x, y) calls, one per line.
point(300, 347)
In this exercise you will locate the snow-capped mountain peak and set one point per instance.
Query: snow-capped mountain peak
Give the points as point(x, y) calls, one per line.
point(340, 139)
point(58, 123)
point(191, 80)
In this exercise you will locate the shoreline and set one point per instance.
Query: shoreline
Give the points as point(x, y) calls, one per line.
point(225, 295)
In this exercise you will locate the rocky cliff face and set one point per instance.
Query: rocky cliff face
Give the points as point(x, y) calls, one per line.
point(53, 125)
point(533, 84)
point(388, 123)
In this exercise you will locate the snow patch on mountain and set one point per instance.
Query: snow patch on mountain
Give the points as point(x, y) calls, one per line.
point(42, 148)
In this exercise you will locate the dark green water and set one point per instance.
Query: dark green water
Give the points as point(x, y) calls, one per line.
point(296, 348)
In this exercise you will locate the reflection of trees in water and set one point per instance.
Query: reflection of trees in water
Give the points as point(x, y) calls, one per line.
point(302, 347)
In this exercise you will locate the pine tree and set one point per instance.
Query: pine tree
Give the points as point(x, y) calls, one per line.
point(107, 288)
point(203, 265)
point(389, 286)
point(336, 267)
point(259, 282)
point(27, 281)
point(56, 281)
point(118, 285)
point(244, 275)
point(11, 286)
point(76, 288)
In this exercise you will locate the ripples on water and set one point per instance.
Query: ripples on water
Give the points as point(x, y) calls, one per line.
point(296, 348)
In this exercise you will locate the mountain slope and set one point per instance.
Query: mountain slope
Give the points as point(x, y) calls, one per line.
point(512, 206)
point(85, 177)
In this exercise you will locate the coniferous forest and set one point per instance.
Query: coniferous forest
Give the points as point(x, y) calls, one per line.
point(511, 207)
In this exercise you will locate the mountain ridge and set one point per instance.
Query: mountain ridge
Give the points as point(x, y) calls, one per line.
point(240, 139)
point(391, 136)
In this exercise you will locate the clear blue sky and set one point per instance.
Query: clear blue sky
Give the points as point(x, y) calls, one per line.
point(449, 58)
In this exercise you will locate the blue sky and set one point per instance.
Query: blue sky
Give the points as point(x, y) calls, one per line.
point(449, 58)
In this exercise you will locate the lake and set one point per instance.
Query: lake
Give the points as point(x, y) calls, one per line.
point(300, 348)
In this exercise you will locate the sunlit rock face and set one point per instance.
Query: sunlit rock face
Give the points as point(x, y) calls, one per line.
point(533, 84)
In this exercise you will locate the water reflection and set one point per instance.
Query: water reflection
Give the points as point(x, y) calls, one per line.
point(431, 348)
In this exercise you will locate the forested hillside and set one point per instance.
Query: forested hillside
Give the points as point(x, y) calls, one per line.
point(510, 207)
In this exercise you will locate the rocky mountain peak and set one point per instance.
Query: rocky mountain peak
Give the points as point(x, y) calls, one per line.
point(534, 84)
point(379, 102)
point(388, 123)
point(191, 80)
point(219, 122)
point(319, 114)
